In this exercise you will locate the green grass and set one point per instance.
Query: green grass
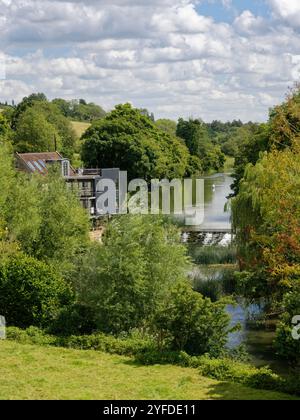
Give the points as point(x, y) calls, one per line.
point(33, 372)
point(80, 127)
point(229, 164)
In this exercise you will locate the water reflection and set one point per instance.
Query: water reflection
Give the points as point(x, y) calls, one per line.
point(207, 278)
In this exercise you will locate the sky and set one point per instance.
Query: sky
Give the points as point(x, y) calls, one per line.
point(209, 59)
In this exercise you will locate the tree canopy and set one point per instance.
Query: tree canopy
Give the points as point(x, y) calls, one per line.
point(79, 110)
point(266, 216)
point(128, 140)
point(197, 140)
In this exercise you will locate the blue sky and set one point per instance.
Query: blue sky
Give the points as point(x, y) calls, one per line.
point(222, 13)
point(217, 59)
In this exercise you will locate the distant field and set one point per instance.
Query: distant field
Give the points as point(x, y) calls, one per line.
point(80, 127)
point(32, 372)
point(229, 164)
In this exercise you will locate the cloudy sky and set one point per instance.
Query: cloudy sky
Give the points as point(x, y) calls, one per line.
point(215, 59)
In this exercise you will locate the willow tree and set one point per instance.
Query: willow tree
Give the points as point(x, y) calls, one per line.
point(266, 215)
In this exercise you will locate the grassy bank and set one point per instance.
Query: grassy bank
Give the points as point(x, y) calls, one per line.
point(80, 127)
point(33, 372)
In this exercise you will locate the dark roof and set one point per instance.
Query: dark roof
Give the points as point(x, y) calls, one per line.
point(37, 162)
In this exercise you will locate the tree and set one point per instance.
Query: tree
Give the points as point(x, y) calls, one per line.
point(168, 126)
point(42, 128)
point(195, 135)
point(281, 132)
point(46, 219)
point(266, 214)
point(6, 184)
point(249, 152)
point(31, 293)
point(35, 134)
point(287, 346)
point(128, 140)
point(192, 323)
point(130, 275)
point(285, 121)
point(64, 224)
point(26, 103)
point(4, 127)
point(79, 110)
point(63, 127)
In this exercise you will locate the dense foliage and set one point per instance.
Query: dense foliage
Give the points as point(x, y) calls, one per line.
point(195, 135)
point(128, 140)
point(192, 323)
point(131, 274)
point(31, 293)
point(129, 282)
point(266, 215)
point(79, 110)
point(40, 214)
point(41, 127)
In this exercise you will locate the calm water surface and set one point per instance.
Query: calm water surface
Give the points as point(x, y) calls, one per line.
point(258, 343)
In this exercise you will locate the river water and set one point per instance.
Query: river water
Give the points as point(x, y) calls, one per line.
point(258, 343)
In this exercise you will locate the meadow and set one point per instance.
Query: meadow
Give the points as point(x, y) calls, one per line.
point(33, 372)
point(80, 127)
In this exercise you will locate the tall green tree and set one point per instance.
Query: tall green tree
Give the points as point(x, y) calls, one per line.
point(128, 140)
point(126, 278)
point(40, 126)
point(35, 134)
point(196, 137)
point(26, 103)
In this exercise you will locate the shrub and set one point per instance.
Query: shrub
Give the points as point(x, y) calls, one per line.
point(287, 347)
point(189, 322)
point(31, 335)
point(31, 293)
point(74, 320)
point(129, 345)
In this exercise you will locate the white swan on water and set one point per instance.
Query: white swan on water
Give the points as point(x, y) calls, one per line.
point(213, 187)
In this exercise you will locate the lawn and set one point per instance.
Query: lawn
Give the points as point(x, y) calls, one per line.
point(80, 127)
point(33, 372)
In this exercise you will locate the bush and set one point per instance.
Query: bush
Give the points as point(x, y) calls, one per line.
point(287, 347)
point(129, 345)
point(31, 293)
point(74, 320)
point(187, 321)
point(31, 335)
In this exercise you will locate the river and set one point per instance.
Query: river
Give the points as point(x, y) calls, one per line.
point(258, 342)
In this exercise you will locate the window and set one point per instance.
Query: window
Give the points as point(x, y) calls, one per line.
point(65, 168)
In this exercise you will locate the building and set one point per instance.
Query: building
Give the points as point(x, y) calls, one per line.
point(84, 181)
